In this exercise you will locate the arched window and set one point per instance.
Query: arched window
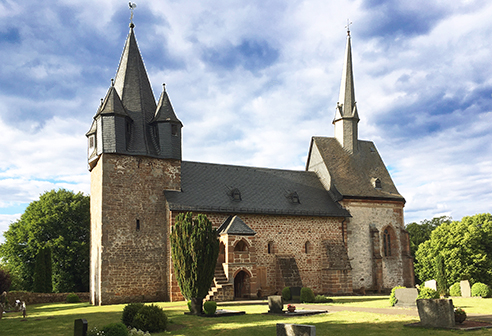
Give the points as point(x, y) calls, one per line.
point(241, 246)
point(307, 247)
point(387, 243)
point(270, 247)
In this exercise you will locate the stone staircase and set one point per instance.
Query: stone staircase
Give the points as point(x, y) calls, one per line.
point(221, 290)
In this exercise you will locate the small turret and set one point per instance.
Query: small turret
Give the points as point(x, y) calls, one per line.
point(168, 128)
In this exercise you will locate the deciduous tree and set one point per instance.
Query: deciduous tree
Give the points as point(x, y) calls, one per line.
point(59, 219)
point(466, 247)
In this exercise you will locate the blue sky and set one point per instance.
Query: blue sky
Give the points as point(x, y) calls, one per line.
point(252, 82)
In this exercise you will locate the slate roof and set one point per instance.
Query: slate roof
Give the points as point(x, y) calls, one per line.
point(207, 187)
point(234, 225)
point(353, 175)
point(165, 111)
point(133, 87)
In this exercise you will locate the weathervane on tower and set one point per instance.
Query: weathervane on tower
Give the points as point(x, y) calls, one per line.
point(132, 6)
point(348, 26)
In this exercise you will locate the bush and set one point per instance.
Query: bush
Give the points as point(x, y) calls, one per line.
point(150, 318)
point(480, 289)
point(428, 293)
point(392, 298)
point(210, 307)
point(72, 298)
point(286, 294)
point(307, 294)
point(455, 290)
point(136, 332)
point(322, 299)
point(115, 329)
point(129, 313)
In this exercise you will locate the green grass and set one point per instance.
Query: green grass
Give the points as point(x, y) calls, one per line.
point(57, 319)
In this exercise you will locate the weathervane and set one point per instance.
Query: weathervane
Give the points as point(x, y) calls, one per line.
point(348, 26)
point(132, 6)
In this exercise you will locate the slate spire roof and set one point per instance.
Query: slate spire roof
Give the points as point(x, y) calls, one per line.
point(165, 111)
point(132, 83)
point(346, 106)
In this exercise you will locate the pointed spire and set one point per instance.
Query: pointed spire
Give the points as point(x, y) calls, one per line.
point(346, 115)
point(111, 104)
point(132, 83)
point(346, 102)
point(165, 111)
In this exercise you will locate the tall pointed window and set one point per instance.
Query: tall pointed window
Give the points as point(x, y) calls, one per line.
point(387, 243)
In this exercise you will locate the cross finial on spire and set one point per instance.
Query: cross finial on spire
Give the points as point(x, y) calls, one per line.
point(132, 6)
point(348, 26)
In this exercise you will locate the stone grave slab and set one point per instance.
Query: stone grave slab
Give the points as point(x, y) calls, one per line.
point(80, 327)
point(406, 297)
point(275, 304)
point(295, 292)
point(436, 313)
point(465, 289)
point(431, 284)
point(286, 329)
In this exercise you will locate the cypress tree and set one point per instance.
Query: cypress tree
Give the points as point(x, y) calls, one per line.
point(194, 249)
point(441, 281)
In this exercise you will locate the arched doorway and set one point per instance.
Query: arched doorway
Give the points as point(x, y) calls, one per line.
point(241, 285)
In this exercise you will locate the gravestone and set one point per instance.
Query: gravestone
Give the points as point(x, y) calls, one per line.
point(286, 329)
point(275, 304)
point(406, 297)
point(431, 284)
point(436, 313)
point(80, 327)
point(465, 289)
point(295, 292)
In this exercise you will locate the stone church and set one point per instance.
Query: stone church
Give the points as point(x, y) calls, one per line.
point(336, 227)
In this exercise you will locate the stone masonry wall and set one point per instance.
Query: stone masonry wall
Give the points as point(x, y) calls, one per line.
point(379, 215)
point(130, 232)
point(289, 235)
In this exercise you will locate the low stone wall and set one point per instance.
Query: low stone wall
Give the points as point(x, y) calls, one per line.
point(32, 298)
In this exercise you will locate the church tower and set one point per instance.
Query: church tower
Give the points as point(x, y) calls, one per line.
point(134, 154)
point(346, 115)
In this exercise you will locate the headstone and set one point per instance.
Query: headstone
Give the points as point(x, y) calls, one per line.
point(275, 304)
point(295, 292)
point(286, 329)
point(406, 297)
point(436, 313)
point(80, 327)
point(465, 289)
point(431, 284)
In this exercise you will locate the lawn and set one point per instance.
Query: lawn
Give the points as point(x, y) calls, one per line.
point(57, 319)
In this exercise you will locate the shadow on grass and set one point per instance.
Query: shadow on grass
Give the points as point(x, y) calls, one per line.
point(253, 323)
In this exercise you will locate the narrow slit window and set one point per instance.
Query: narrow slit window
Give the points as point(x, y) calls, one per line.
point(387, 243)
point(270, 247)
point(138, 225)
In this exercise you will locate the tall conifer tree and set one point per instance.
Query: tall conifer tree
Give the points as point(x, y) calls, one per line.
point(194, 248)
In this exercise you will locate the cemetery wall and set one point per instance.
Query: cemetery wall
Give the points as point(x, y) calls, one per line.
point(34, 298)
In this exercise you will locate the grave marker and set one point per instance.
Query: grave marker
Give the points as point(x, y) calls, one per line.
point(286, 329)
point(431, 284)
point(80, 327)
point(436, 313)
point(275, 304)
point(465, 289)
point(406, 297)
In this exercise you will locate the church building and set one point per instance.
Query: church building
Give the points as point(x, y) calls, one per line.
point(336, 227)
